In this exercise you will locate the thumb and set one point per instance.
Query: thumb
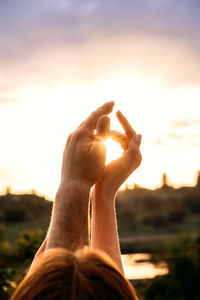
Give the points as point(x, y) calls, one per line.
point(133, 151)
point(102, 133)
point(103, 128)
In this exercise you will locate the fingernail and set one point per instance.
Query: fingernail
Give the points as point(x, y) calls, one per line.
point(138, 138)
point(119, 112)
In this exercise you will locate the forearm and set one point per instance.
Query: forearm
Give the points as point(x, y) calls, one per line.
point(104, 233)
point(69, 222)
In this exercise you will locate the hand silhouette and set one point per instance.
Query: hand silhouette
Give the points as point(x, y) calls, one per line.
point(85, 154)
point(117, 171)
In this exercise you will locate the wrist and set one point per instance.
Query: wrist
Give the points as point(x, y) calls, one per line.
point(103, 199)
point(72, 195)
point(76, 187)
point(69, 215)
point(105, 191)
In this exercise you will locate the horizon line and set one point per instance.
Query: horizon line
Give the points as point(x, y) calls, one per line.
point(164, 182)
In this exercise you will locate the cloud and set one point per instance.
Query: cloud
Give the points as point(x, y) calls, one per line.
point(165, 16)
point(28, 26)
point(171, 138)
point(185, 123)
point(7, 94)
point(183, 131)
point(154, 38)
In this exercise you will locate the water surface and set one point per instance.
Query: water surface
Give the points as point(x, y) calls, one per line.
point(138, 266)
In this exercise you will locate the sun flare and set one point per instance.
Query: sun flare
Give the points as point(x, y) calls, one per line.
point(165, 142)
point(113, 150)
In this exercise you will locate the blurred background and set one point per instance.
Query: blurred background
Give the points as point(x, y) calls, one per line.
point(59, 60)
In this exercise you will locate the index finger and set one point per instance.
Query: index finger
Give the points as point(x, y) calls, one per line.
point(91, 122)
point(130, 132)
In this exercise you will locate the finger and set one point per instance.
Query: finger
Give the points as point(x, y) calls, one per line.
point(117, 136)
point(138, 139)
point(103, 128)
point(130, 132)
point(131, 158)
point(120, 138)
point(134, 147)
point(91, 122)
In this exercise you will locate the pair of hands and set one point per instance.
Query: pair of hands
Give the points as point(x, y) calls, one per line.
point(85, 153)
point(83, 166)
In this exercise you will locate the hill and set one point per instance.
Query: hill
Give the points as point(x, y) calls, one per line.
point(144, 216)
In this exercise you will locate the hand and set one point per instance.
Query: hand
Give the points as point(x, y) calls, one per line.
point(84, 155)
point(117, 171)
point(83, 164)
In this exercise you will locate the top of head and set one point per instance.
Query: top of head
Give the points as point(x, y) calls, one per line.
point(85, 274)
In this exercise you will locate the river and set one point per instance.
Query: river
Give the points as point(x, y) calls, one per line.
point(138, 266)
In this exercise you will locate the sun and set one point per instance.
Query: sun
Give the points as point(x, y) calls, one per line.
point(113, 150)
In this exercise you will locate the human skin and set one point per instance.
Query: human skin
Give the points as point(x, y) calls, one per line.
point(37, 255)
point(104, 235)
point(83, 165)
point(69, 223)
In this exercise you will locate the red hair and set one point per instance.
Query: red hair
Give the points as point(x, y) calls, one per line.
point(85, 274)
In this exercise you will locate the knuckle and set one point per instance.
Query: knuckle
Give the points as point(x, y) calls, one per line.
point(139, 155)
point(136, 156)
point(134, 151)
point(69, 138)
point(79, 134)
point(139, 158)
point(92, 114)
point(124, 145)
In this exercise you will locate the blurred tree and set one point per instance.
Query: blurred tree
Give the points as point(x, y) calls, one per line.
point(8, 190)
point(27, 244)
point(165, 180)
point(15, 259)
point(177, 215)
point(198, 179)
point(15, 214)
point(182, 282)
point(156, 220)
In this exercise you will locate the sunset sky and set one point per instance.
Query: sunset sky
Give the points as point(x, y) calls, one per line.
point(61, 59)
